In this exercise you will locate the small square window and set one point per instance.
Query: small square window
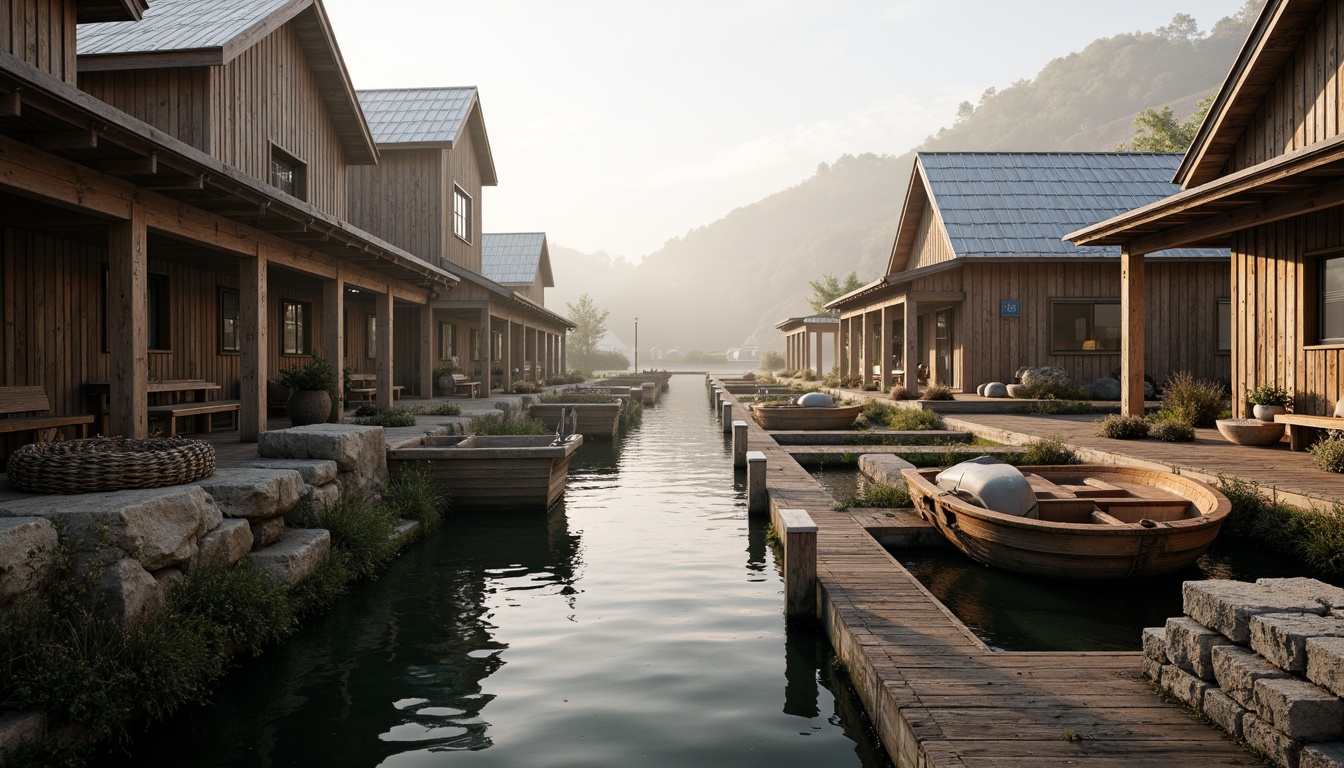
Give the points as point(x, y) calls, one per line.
point(1085, 326)
point(289, 174)
point(462, 215)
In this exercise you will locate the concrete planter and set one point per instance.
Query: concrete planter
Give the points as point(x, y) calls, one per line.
point(309, 406)
point(1250, 431)
point(1268, 412)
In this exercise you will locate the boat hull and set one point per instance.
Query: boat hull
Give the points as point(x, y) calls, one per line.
point(805, 417)
point(597, 421)
point(519, 473)
point(1146, 533)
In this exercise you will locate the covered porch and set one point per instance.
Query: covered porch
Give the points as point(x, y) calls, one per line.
point(894, 335)
point(805, 342)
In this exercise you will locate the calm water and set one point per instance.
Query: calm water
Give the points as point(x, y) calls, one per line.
point(1014, 612)
point(638, 623)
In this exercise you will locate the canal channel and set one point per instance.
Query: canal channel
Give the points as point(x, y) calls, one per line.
point(638, 623)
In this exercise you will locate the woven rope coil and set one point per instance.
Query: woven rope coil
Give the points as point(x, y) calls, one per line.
point(109, 464)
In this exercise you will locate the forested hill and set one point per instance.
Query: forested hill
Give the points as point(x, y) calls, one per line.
point(729, 282)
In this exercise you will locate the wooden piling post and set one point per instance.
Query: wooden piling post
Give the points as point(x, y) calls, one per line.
point(798, 533)
point(739, 443)
point(727, 415)
point(758, 500)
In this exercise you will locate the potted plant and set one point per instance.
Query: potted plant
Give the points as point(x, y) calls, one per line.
point(443, 377)
point(1268, 400)
point(310, 386)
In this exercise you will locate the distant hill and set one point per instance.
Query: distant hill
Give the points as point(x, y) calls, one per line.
point(729, 282)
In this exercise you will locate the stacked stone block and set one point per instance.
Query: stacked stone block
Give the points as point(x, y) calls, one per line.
point(1263, 661)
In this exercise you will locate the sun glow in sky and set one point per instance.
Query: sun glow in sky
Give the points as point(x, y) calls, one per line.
point(618, 124)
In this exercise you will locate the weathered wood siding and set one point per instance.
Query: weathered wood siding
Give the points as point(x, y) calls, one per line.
point(931, 245)
point(175, 100)
point(1303, 106)
point(402, 200)
point(41, 33)
point(464, 170)
point(1273, 328)
point(268, 95)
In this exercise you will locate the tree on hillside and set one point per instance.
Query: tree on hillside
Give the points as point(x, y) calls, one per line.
point(772, 361)
point(1159, 131)
point(829, 288)
point(590, 325)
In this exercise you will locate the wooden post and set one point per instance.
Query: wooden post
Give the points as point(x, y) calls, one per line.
point(1131, 332)
point(254, 333)
point(758, 499)
point(799, 536)
point(427, 355)
point(564, 349)
point(727, 417)
point(128, 326)
point(384, 310)
point(506, 356)
point(739, 443)
point(910, 357)
point(487, 350)
point(333, 340)
point(821, 360)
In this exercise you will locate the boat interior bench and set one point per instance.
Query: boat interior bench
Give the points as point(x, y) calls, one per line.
point(171, 413)
point(1302, 428)
point(363, 391)
point(463, 387)
point(33, 400)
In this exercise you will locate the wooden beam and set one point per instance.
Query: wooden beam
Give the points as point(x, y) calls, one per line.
point(131, 166)
point(333, 339)
point(11, 104)
point(128, 326)
point(252, 293)
point(1131, 332)
point(195, 181)
point(384, 314)
point(910, 357)
point(426, 368)
point(84, 139)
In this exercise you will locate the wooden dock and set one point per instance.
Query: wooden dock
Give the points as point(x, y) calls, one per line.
point(940, 697)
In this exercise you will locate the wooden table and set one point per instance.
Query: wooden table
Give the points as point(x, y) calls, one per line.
point(173, 390)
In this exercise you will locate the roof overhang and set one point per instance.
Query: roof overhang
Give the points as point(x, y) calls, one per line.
point(505, 294)
point(475, 125)
point(1207, 216)
point(92, 11)
point(918, 197)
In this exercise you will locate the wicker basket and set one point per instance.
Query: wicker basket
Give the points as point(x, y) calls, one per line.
point(109, 464)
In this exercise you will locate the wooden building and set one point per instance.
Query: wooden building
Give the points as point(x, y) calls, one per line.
point(1263, 178)
point(163, 221)
point(980, 283)
point(425, 195)
point(805, 344)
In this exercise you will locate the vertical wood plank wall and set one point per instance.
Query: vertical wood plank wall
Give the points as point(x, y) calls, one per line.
point(465, 171)
point(1274, 314)
point(175, 100)
point(402, 200)
point(41, 33)
point(931, 245)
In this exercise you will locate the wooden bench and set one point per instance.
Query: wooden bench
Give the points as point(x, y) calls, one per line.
point(171, 413)
point(362, 391)
point(1302, 428)
point(462, 386)
point(33, 400)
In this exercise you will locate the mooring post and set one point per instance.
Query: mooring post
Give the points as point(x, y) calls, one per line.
point(727, 414)
point(718, 398)
point(758, 500)
point(799, 538)
point(739, 443)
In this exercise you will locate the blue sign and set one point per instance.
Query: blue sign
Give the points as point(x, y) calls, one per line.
point(1010, 308)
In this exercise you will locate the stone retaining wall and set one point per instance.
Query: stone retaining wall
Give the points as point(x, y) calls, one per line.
point(143, 539)
point(1263, 661)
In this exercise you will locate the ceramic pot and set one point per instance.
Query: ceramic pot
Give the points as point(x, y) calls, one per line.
point(446, 382)
point(1268, 412)
point(308, 406)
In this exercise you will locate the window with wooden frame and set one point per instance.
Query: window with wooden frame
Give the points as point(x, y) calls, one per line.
point(1330, 306)
point(158, 331)
point(295, 328)
point(474, 343)
point(288, 173)
point(496, 346)
point(462, 216)
point(1224, 320)
point(230, 339)
point(371, 342)
point(1085, 325)
point(447, 341)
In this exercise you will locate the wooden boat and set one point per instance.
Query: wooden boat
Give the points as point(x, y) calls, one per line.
point(1096, 522)
point(597, 421)
point(493, 472)
point(789, 416)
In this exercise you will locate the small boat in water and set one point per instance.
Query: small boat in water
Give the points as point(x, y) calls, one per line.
point(791, 416)
point(1073, 522)
point(496, 472)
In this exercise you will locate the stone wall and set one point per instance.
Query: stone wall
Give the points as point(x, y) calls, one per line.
point(1263, 661)
point(144, 539)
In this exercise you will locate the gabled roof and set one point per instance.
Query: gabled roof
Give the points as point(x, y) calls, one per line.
point(798, 322)
point(206, 33)
point(1271, 43)
point(414, 118)
point(515, 258)
point(88, 11)
point(1019, 204)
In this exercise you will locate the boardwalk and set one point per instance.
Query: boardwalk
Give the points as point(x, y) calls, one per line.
point(940, 697)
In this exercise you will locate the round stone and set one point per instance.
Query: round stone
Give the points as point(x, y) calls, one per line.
point(817, 399)
point(996, 389)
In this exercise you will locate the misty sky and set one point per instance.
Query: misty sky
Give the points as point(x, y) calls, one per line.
point(618, 124)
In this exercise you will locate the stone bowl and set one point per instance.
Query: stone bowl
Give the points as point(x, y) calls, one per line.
point(1251, 431)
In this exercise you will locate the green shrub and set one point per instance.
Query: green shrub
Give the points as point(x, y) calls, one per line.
point(438, 409)
point(1172, 432)
point(526, 387)
point(880, 496)
point(901, 393)
point(936, 392)
point(807, 373)
point(414, 495)
point(361, 531)
point(876, 413)
point(1268, 394)
point(399, 416)
point(507, 424)
point(632, 416)
point(1053, 407)
point(1119, 427)
point(316, 374)
point(1314, 537)
point(1193, 401)
point(1328, 452)
point(577, 396)
point(328, 582)
point(908, 419)
point(1047, 451)
point(240, 609)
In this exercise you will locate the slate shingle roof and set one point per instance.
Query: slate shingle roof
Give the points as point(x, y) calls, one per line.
point(178, 25)
point(512, 258)
point(1004, 204)
point(417, 115)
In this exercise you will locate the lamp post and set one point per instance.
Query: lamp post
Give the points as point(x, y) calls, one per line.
point(636, 345)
